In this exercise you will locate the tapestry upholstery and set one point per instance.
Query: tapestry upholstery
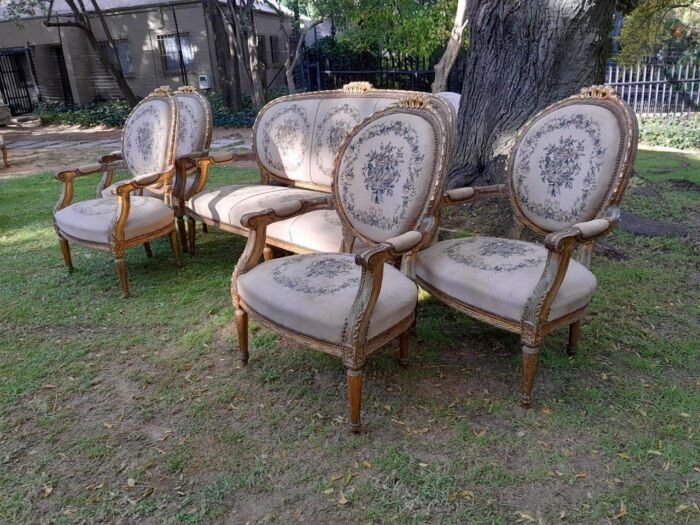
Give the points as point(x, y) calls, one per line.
point(566, 163)
point(192, 124)
point(146, 139)
point(385, 175)
point(498, 275)
point(91, 220)
point(313, 294)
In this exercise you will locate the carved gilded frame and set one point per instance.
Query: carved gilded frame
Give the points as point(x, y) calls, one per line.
point(355, 347)
point(118, 244)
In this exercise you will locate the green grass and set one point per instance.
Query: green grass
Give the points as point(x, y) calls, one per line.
point(138, 411)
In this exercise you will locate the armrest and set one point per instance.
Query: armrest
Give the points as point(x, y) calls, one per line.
point(111, 157)
point(583, 232)
point(467, 194)
point(203, 165)
point(286, 210)
point(68, 176)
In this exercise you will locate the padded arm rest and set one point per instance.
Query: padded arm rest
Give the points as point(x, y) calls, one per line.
point(469, 193)
point(286, 210)
point(111, 157)
point(405, 242)
point(223, 158)
point(583, 232)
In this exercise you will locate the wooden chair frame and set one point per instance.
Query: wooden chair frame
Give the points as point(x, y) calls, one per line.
point(118, 243)
point(577, 241)
point(356, 346)
point(354, 89)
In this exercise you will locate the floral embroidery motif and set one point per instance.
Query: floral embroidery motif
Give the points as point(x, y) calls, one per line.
point(560, 166)
point(317, 274)
point(384, 178)
point(103, 206)
point(286, 131)
point(188, 127)
point(342, 119)
point(382, 170)
point(494, 255)
point(144, 130)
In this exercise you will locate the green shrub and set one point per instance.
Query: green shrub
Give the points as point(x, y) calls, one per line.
point(115, 112)
point(670, 132)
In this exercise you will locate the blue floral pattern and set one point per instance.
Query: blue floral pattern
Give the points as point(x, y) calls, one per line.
point(317, 274)
point(342, 119)
point(381, 173)
point(494, 255)
point(287, 131)
point(560, 166)
point(144, 130)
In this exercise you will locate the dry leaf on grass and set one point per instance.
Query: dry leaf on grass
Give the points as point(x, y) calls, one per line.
point(622, 512)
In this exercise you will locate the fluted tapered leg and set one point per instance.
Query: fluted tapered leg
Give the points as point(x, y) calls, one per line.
point(529, 372)
point(355, 399)
point(574, 330)
point(183, 233)
point(402, 352)
point(176, 247)
point(192, 231)
point(147, 247)
point(65, 250)
point(123, 278)
point(242, 327)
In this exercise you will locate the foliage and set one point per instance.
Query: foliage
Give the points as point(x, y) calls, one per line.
point(106, 113)
point(653, 25)
point(408, 27)
point(115, 112)
point(674, 133)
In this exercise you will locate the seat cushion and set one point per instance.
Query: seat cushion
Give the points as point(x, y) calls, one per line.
point(318, 231)
point(499, 275)
point(91, 220)
point(313, 294)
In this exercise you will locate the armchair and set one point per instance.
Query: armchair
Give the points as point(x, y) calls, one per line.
point(566, 173)
point(116, 224)
point(387, 180)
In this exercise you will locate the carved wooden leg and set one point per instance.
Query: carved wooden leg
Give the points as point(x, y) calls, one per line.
point(529, 372)
point(4, 156)
point(191, 230)
point(205, 228)
point(123, 279)
point(176, 248)
point(402, 353)
point(413, 329)
point(65, 250)
point(183, 233)
point(355, 399)
point(242, 327)
point(147, 247)
point(268, 253)
point(574, 330)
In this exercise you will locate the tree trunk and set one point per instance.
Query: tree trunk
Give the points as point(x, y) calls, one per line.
point(522, 57)
point(443, 68)
point(257, 67)
point(226, 59)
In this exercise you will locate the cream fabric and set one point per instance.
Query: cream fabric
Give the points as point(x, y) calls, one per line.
point(592, 228)
point(91, 220)
point(565, 165)
point(192, 124)
point(110, 191)
point(405, 241)
point(319, 231)
point(385, 175)
point(229, 203)
point(313, 294)
point(499, 275)
point(452, 98)
point(284, 137)
point(145, 140)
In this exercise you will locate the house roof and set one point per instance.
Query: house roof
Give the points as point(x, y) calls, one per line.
point(60, 7)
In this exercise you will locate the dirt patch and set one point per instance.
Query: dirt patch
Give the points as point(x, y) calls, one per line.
point(633, 223)
point(33, 148)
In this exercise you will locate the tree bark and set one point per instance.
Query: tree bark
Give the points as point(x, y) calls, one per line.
point(226, 59)
point(444, 66)
point(522, 57)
